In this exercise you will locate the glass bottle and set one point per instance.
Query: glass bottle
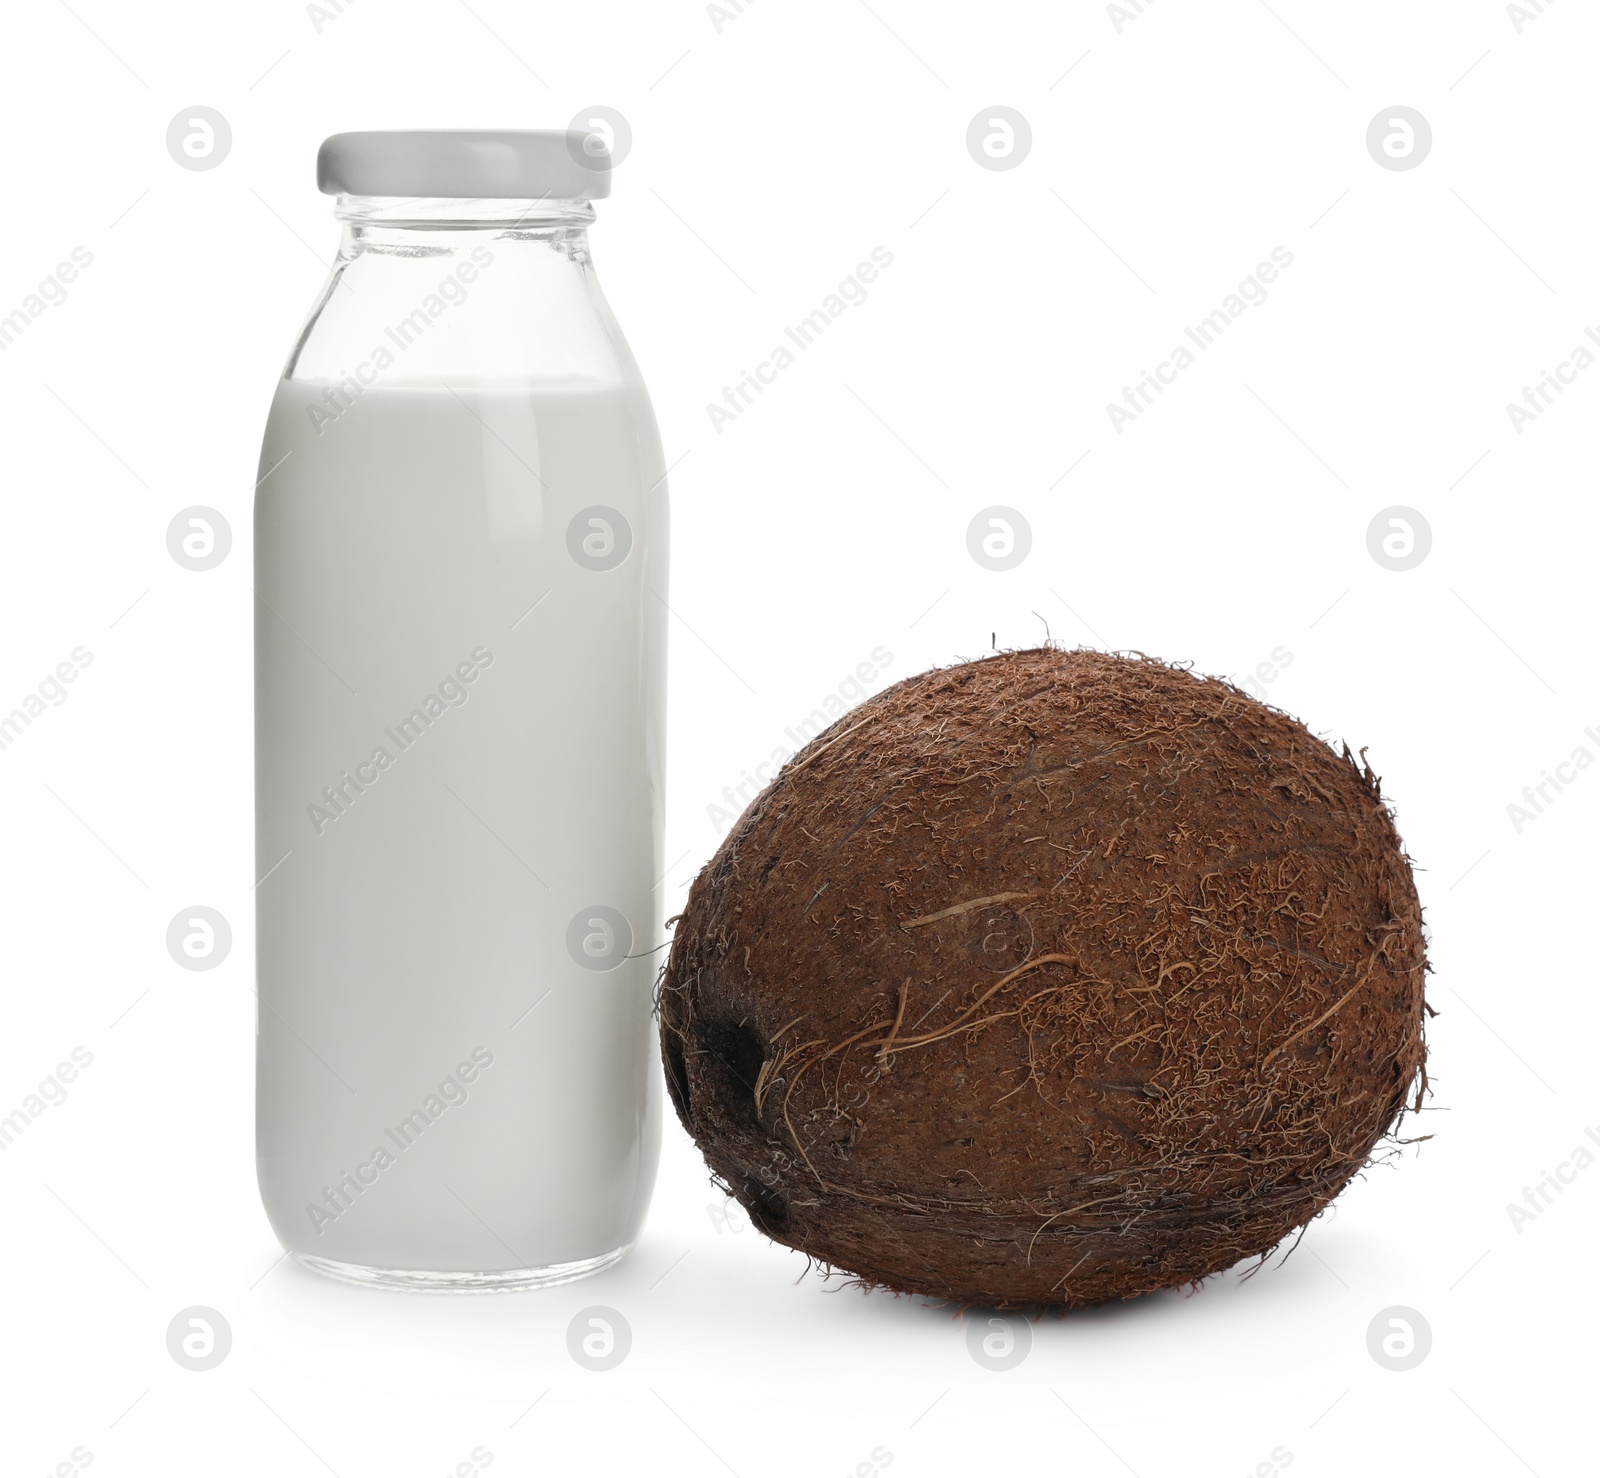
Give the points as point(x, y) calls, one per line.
point(461, 583)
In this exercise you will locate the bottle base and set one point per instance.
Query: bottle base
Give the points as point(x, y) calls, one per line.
point(417, 1280)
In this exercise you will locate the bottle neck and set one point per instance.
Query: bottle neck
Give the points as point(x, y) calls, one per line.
point(379, 221)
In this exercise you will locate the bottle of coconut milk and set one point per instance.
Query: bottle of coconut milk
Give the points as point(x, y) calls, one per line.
point(460, 595)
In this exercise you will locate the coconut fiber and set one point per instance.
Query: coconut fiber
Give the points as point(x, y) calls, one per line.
point(1047, 979)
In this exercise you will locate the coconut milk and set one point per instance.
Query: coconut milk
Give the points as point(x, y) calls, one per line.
point(460, 657)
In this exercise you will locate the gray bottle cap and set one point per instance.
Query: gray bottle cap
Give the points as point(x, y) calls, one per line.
point(467, 164)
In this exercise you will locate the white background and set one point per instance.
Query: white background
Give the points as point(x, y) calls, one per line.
point(1229, 520)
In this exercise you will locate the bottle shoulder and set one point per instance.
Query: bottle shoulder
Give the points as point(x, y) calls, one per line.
point(491, 311)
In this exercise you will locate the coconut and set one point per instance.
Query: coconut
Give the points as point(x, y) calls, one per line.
point(1048, 979)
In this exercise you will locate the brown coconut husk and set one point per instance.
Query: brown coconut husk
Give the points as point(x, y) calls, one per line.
point(1048, 979)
